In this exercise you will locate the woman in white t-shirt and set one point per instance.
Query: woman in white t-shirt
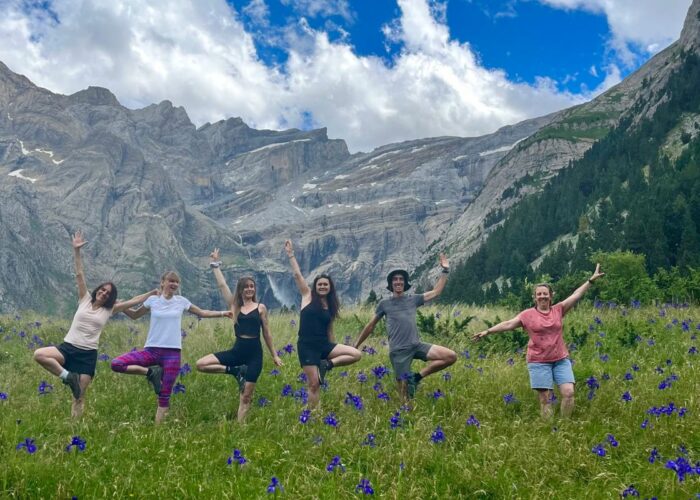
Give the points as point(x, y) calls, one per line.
point(75, 359)
point(160, 359)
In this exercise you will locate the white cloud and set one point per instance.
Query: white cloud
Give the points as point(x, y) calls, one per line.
point(198, 55)
point(321, 8)
point(648, 25)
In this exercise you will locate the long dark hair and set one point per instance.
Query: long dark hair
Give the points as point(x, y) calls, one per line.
point(331, 298)
point(238, 296)
point(111, 298)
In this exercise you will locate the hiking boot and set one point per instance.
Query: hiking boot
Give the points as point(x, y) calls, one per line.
point(73, 381)
point(154, 377)
point(323, 368)
point(412, 385)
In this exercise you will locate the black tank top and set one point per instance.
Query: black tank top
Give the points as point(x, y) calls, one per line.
point(248, 324)
point(313, 323)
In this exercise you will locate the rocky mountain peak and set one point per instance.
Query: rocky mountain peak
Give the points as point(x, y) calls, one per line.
point(95, 96)
point(690, 35)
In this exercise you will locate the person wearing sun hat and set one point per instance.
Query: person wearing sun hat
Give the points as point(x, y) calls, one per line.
point(404, 343)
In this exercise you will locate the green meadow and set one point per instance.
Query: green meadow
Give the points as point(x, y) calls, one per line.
point(474, 431)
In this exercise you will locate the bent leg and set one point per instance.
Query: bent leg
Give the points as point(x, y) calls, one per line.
point(134, 362)
point(210, 364)
point(439, 358)
point(343, 355)
point(51, 359)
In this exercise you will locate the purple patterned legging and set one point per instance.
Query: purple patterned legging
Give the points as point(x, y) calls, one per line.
point(169, 359)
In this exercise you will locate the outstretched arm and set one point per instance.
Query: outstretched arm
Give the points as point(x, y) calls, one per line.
point(78, 243)
point(219, 276)
point(136, 314)
point(266, 335)
point(304, 289)
point(204, 313)
point(503, 326)
point(366, 331)
point(442, 280)
point(572, 299)
point(127, 304)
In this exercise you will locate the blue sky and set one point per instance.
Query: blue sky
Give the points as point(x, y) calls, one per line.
point(371, 72)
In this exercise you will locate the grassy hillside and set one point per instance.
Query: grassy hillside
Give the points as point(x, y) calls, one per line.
point(635, 419)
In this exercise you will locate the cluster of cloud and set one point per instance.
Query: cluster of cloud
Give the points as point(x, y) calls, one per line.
point(200, 56)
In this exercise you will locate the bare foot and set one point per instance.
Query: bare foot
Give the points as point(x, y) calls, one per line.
point(161, 413)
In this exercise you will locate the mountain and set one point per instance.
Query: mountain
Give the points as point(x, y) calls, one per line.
point(153, 192)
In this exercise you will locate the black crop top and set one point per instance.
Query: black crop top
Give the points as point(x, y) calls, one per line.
point(248, 324)
point(313, 323)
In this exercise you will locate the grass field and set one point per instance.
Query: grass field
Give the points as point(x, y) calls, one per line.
point(474, 431)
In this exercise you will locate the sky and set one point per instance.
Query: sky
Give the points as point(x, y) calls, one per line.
point(371, 72)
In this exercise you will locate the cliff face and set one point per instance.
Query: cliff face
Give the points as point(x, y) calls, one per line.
point(152, 192)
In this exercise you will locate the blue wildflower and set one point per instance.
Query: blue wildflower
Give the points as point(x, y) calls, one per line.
point(305, 416)
point(274, 485)
point(77, 443)
point(369, 350)
point(289, 348)
point(681, 467)
point(302, 377)
point(682, 411)
point(383, 396)
point(28, 445)
point(343, 374)
point(334, 464)
point(438, 394)
point(613, 442)
point(645, 423)
point(354, 400)
point(331, 420)
point(693, 350)
point(599, 450)
point(361, 377)
point(510, 398)
point(274, 372)
point(446, 376)
point(437, 436)
point(626, 396)
point(380, 371)
point(103, 357)
point(3, 396)
point(287, 390)
point(179, 388)
point(653, 456)
point(466, 354)
point(510, 361)
point(263, 401)
point(236, 457)
point(628, 376)
point(45, 388)
point(301, 395)
point(364, 487)
point(369, 441)
point(592, 383)
point(630, 492)
point(185, 369)
point(395, 421)
point(472, 420)
point(635, 367)
point(604, 376)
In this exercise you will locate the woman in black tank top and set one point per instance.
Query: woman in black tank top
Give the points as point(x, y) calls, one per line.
point(244, 359)
point(316, 347)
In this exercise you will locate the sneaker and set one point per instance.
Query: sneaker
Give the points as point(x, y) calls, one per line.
point(240, 376)
point(323, 368)
point(154, 377)
point(412, 385)
point(73, 381)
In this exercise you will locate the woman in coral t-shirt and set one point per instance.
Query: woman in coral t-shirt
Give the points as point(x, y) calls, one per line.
point(547, 357)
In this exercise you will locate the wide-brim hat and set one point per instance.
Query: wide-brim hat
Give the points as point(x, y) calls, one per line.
point(390, 276)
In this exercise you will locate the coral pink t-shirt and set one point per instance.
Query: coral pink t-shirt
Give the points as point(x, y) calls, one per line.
point(545, 330)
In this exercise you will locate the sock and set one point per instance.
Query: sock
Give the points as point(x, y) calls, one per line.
point(232, 370)
point(329, 364)
point(417, 376)
point(63, 374)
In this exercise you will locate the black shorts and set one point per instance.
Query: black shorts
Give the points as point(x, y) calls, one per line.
point(244, 352)
point(312, 352)
point(78, 360)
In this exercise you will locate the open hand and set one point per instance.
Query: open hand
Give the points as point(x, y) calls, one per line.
point(596, 274)
point(78, 240)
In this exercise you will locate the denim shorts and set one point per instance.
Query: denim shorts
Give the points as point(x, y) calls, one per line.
point(545, 375)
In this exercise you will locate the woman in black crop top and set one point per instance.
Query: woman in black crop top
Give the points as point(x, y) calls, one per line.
point(316, 347)
point(244, 359)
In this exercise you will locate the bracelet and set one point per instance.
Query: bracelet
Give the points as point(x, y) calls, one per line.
point(215, 264)
point(589, 281)
point(445, 270)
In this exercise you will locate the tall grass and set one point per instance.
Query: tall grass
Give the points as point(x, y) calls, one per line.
point(511, 453)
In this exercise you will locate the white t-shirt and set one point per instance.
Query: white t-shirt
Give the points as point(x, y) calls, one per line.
point(87, 324)
point(166, 321)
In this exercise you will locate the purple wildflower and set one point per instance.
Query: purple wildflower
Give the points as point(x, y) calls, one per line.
point(287, 390)
point(510, 398)
point(179, 388)
point(289, 348)
point(613, 442)
point(364, 487)
point(103, 357)
point(331, 420)
point(334, 464)
point(28, 445)
point(361, 377)
point(446, 376)
point(653, 456)
point(630, 492)
point(274, 485)
point(354, 400)
point(472, 420)
point(305, 416)
point(185, 369)
point(369, 441)
point(626, 396)
point(383, 396)
point(437, 436)
point(395, 421)
point(263, 401)
point(3, 396)
point(599, 450)
point(236, 457)
point(438, 394)
point(45, 388)
point(77, 443)
point(380, 371)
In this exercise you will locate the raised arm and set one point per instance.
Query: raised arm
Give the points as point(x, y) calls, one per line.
point(503, 326)
point(205, 313)
point(128, 304)
point(78, 243)
point(215, 265)
point(366, 331)
point(266, 335)
point(572, 299)
point(442, 280)
point(304, 289)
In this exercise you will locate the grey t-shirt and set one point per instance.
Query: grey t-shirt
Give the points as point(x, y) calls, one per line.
point(400, 315)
